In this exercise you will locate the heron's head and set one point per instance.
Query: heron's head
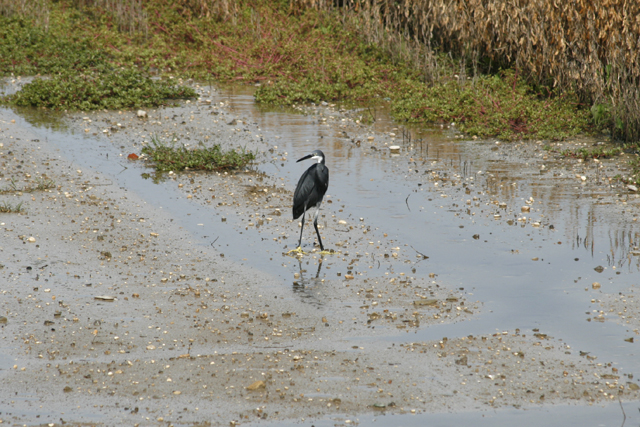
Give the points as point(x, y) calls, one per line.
point(315, 155)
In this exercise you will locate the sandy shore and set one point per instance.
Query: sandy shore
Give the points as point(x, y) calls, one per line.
point(113, 312)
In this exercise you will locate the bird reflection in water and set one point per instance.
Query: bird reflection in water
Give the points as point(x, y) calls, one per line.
point(307, 288)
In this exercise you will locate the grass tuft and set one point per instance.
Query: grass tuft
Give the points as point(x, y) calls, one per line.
point(41, 184)
point(171, 158)
point(9, 208)
point(592, 153)
point(127, 88)
point(501, 106)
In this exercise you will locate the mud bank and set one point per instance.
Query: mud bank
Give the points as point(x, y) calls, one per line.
point(171, 300)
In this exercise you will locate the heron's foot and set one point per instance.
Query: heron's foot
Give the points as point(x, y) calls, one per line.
point(297, 251)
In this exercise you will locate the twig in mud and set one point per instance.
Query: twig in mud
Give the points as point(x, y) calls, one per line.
point(373, 115)
point(215, 241)
point(420, 253)
point(407, 202)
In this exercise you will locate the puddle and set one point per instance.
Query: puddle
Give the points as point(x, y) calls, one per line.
point(498, 269)
point(609, 416)
point(6, 362)
point(529, 275)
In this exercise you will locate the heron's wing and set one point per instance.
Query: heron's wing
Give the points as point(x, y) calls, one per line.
point(322, 178)
point(303, 189)
point(311, 188)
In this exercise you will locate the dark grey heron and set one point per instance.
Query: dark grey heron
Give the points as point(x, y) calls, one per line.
point(310, 190)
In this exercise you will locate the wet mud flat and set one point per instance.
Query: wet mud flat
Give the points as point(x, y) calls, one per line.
point(174, 303)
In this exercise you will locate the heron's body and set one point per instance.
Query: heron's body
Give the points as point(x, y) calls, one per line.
point(310, 190)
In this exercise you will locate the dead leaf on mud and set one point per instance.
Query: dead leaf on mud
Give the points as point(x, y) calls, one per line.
point(609, 377)
point(257, 385)
point(426, 302)
point(133, 156)
point(105, 298)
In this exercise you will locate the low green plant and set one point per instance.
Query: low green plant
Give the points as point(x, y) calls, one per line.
point(634, 163)
point(592, 153)
point(120, 89)
point(501, 106)
point(41, 184)
point(178, 158)
point(9, 208)
point(601, 115)
point(11, 188)
point(29, 49)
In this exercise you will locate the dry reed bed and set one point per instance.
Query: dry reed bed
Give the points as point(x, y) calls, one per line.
point(587, 46)
point(130, 16)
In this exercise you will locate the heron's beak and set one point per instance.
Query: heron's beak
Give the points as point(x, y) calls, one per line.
point(308, 156)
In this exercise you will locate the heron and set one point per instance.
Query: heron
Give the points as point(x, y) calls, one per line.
point(310, 190)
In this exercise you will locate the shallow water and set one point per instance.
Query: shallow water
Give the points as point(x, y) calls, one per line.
point(552, 293)
point(548, 294)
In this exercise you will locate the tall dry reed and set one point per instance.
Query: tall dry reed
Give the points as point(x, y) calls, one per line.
point(38, 10)
point(211, 8)
point(129, 15)
point(587, 46)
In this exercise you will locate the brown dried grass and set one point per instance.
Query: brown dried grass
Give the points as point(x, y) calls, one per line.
point(586, 46)
point(129, 15)
point(211, 8)
point(36, 9)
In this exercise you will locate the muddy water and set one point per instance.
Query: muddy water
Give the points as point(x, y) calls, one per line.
point(533, 275)
point(530, 278)
point(578, 230)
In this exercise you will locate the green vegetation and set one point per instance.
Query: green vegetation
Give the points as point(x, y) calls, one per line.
point(83, 74)
point(40, 185)
point(96, 60)
point(600, 152)
point(26, 49)
point(9, 208)
point(121, 89)
point(171, 158)
point(503, 106)
point(593, 153)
